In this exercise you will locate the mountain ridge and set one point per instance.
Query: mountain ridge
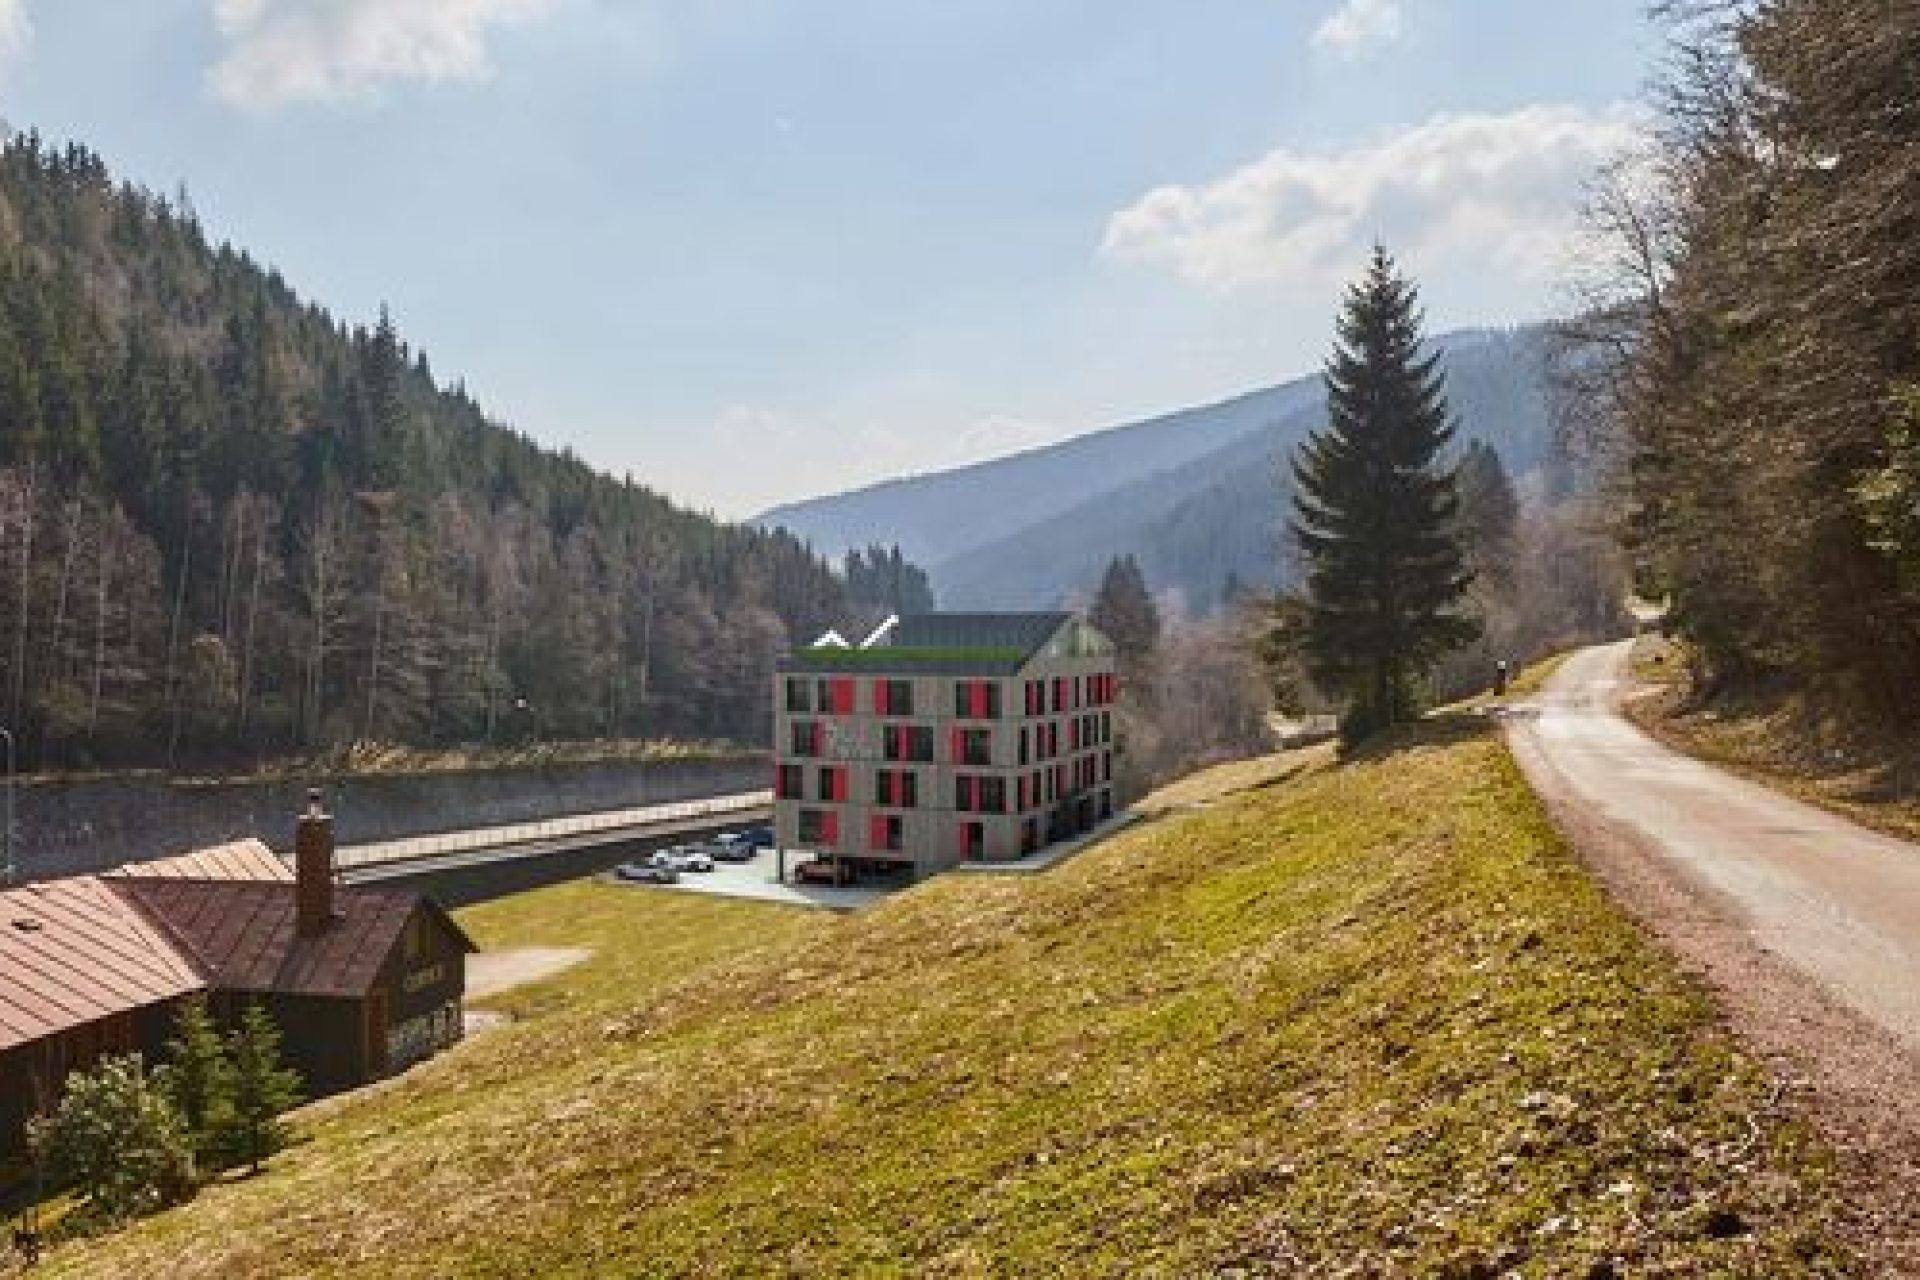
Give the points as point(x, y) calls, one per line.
point(1200, 507)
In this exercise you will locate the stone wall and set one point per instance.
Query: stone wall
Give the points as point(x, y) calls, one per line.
point(66, 828)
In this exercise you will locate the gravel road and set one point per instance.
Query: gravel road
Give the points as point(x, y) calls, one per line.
point(1805, 926)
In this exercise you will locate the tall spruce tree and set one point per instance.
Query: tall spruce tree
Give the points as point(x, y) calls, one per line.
point(1123, 609)
point(262, 1089)
point(1376, 513)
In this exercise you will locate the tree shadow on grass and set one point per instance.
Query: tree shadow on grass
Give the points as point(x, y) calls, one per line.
point(1439, 729)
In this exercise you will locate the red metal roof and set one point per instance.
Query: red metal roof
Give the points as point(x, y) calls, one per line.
point(241, 860)
point(242, 936)
point(74, 952)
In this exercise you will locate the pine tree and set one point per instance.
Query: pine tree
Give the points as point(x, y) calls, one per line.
point(262, 1089)
point(1489, 513)
point(1124, 610)
point(199, 1078)
point(1375, 512)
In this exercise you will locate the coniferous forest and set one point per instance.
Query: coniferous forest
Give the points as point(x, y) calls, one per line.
point(233, 527)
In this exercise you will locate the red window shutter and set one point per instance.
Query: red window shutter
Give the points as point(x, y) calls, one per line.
point(979, 699)
point(953, 745)
point(880, 706)
point(877, 832)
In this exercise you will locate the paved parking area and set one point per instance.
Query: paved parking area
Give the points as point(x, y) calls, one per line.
point(756, 880)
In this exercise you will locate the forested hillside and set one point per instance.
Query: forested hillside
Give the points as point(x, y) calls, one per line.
point(1762, 329)
point(1219, 518)
point(232, 525)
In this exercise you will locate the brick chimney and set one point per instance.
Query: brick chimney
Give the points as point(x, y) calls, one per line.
point(313, 869)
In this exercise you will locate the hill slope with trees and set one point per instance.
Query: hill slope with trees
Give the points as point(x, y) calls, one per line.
point(232, 525)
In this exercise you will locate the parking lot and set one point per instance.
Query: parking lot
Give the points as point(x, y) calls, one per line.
point(756, 879)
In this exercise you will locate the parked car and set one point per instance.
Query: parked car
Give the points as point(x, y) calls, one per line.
point(758, 836)
point(681, 857)
point(823, 871)
point(647, 873)
point(731, 846)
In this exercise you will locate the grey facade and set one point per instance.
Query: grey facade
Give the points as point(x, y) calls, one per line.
point(950, 738)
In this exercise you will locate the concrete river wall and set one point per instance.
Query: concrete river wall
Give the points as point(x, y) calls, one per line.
point(66, 828)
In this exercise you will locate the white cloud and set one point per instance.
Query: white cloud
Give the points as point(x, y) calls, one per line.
point(1498, 191)
point(284, 51)
point(1358, 26)
point(16, 32)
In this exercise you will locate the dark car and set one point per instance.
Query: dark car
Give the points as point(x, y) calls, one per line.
point(757, 837)
point(730, 847)
point(822, 871)
point(647, 873)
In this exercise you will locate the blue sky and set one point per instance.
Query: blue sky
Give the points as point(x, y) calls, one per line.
point(752, 250)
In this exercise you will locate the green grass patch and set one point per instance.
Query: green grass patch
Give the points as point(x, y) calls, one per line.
point(1533, 677)
point(1369, 1019)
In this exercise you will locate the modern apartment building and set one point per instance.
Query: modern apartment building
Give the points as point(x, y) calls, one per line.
point(945, 737)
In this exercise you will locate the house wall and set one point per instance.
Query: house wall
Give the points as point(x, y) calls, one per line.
point(425, 985)
point(1069, 791)
point(323, 1038)
point(32, 1075)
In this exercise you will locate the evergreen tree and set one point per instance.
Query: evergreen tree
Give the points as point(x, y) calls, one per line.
point(1375, 513)
point(198, 1077)
point(1124, 610)
point(1489, 513)
point(118, 1139)
point(262, 1089)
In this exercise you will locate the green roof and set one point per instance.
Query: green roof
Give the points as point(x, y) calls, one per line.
point(962, 644)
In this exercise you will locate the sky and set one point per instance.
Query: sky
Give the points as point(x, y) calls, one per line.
point(758, 250)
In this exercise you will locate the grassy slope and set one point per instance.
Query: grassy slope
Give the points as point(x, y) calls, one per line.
point(1372, 1016)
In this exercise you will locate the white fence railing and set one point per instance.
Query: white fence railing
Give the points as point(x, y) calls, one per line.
point(366, 855)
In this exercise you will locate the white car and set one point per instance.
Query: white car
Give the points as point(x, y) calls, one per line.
point(681, 858)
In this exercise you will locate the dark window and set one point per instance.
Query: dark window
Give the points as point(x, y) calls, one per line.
point(993, 795)
point(976, 700)
point(790, 781)
point(805, 735)
point(823, 694)
point(892, 833)
point(1024, 745)
point(797, 699)
point(909, 789)
point(976, 746)
point(899, 698)
point(813, 827)
point(973, 839)
point(912, 742)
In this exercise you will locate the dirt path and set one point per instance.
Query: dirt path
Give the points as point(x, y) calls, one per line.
point(491, 972)
point(1807, 927)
